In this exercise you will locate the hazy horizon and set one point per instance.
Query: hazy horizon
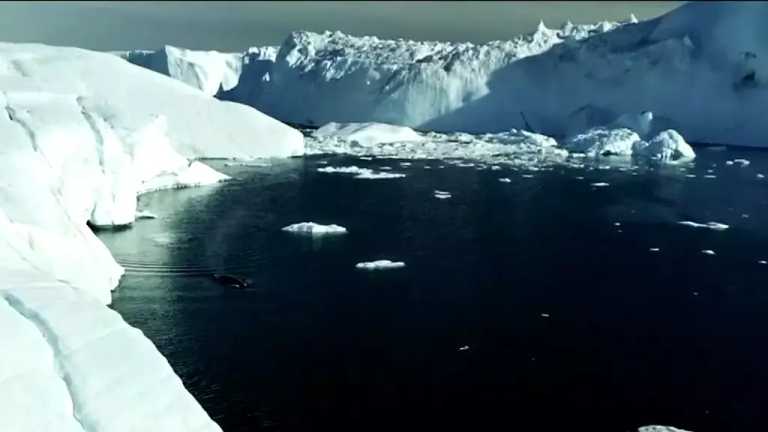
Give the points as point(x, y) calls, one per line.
point(235, 26)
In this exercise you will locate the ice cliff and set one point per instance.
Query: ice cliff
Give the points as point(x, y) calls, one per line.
point(83, 134)
point(700, 68)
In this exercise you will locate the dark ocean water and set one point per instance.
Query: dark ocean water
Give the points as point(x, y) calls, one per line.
point(571, 323)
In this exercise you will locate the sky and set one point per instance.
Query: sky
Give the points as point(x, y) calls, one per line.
point(237, 25)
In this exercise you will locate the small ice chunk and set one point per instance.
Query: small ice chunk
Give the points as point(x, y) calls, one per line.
point(710, 176)
point(708, 252)
point(379, 265)
point(442, 194)
point(495, 168)
point(760, 176)
point(545, 315)
point(527, 176)
point(743, 162)
point(379, 175)
point(405, 164)
point(366, 158)
point(314, 229)
point(464, 348)
point(600, 184)
point(717, 226)
point(145, 214)
point(385, 168)
point(691, 175)
point(729, 162)
point(617, 224)
point(505, 180)
point(762, 262)
point(427, 167)
point(654, 249)
point(343, 170)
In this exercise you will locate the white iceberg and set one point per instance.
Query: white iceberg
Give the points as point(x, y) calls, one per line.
point(708, 252)
point(315, 229)
point(380, 265)
point(666, 146)
point(84, 133)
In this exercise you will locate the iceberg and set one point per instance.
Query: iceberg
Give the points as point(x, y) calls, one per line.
point(208, 71)
point(666, 146)
point(84, 133)
point(315, 229)
point(380, 265)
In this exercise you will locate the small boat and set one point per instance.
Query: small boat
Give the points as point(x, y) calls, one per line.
point(231, 280)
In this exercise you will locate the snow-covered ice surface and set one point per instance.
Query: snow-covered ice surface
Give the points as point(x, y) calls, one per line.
point(315, 229)
point(379, 265)
point(71, 364)
point(84, 133)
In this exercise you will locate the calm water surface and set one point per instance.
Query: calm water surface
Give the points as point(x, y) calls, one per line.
point(571, 323)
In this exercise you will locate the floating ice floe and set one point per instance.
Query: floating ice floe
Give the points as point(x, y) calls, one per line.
point(760, 176)
point(505, 180)
point(464, 348)
point(654, 249)
point(360, 173)
point(442, 194)
point(315, 229)
point(708, 252)
point(717, 226)
point(600, 184)
point(762, 262)
point(710, 176)
point(379, 265)
point(657, 428)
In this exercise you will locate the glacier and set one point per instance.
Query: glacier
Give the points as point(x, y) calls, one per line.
point(701, 69)
point(84, 133)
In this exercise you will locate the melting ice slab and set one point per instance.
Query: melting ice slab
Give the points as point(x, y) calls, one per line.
point(360, 173)
point(315, 229)
point(717, 226)
point(380, 265)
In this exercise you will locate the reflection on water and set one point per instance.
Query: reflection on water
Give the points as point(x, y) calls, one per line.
point(534, 304)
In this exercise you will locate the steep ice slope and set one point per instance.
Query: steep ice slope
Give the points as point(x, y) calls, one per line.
point(209, 71)
point(318, 78)
point(700, 69)
point(83, 134)
point(214, 73)
point(71, 364)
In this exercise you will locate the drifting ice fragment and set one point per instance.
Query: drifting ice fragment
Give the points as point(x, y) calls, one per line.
point(717, 226)
point(379, 265)
point(314, 229)
point(708, 252)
